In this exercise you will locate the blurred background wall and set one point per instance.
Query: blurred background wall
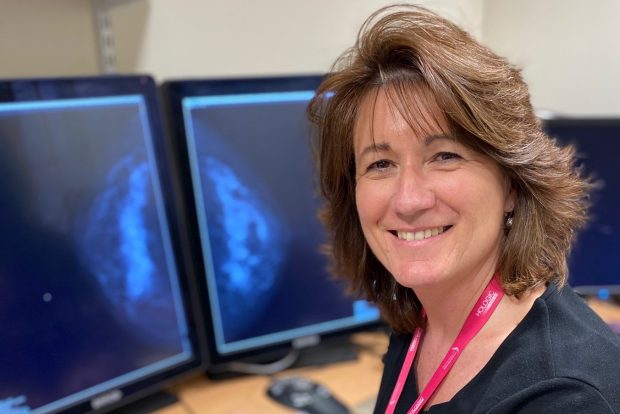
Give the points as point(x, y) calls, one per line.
point(569, 50)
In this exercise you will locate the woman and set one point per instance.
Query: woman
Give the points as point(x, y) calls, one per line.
point(452, 210)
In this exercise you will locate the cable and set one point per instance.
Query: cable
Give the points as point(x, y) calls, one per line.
point(263, 369)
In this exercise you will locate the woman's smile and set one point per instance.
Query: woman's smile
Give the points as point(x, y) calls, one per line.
point(419, 235)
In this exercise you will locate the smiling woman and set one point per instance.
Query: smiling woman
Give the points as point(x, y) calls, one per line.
point(450, 208)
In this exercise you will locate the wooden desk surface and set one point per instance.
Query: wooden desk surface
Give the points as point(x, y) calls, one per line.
point(355, 383)
point(609, 312)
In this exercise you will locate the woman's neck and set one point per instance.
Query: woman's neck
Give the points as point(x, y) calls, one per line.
point(448, 304)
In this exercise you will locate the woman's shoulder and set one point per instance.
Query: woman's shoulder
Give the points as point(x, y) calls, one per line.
point(561, 349)
point(556, 395)
point(572, 325)
point(560, 358)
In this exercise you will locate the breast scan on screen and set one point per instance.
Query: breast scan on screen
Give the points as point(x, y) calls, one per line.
point(257, 204)
point(89, 294)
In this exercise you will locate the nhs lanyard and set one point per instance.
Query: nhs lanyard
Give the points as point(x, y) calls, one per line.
point(478, 317)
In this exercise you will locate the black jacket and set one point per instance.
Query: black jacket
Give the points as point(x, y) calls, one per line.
point(562, 358)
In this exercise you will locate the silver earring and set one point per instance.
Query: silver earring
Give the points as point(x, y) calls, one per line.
point(508, 220)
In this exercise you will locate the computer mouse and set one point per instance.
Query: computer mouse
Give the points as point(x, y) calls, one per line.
point(305, 395)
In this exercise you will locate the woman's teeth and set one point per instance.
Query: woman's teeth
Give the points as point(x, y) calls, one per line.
point(420, 235)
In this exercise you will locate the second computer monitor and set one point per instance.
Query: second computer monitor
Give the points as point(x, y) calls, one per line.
point(256, 202)
point(592, 267)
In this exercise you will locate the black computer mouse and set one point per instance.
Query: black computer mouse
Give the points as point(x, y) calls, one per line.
point(305, 395)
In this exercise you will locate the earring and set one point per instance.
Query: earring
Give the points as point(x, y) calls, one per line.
point(508, 220)
point(394, 297)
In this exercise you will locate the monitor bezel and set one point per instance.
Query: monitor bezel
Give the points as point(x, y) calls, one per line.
point(144, 86)
point(173, 92)
point(552, 120)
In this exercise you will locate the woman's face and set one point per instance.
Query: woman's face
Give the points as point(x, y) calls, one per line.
point(430, 208)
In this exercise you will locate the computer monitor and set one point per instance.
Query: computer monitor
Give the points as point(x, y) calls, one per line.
point(592, 266)
point(94, 303)
point(267, 283)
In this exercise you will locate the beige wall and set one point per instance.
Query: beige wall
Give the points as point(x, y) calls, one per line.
point(197, 38)
point(181, 38)
point(569, 50)
point(47, 38)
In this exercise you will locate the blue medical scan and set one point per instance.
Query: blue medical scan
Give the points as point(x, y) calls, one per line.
point(257, 203)
point(88, 292)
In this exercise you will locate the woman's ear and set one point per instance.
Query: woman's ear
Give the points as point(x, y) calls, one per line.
point(511, 197)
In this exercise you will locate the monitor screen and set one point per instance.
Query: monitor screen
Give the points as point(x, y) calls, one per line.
point(592, 260)
point(256, 201)
point(93, 305)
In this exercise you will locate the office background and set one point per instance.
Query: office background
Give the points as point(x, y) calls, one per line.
point(569, 50)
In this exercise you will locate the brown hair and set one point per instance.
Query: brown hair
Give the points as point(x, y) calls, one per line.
point(405, 48)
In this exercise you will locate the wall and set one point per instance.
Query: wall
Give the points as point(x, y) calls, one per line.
point(569, 51)
point(197, 38)
point(47, 38)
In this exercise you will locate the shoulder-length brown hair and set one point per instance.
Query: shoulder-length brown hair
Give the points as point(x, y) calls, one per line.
point(487, 105)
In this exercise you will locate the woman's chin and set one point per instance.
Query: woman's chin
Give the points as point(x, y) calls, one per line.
point(414, 279)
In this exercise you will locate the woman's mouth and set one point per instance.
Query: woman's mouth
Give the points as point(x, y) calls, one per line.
point(421, 234)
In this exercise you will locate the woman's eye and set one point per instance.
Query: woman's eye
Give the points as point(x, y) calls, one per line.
point(446, 156)
point(380, 165)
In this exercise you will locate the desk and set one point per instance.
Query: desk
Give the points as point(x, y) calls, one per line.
point(355, 383)
point(608, 311)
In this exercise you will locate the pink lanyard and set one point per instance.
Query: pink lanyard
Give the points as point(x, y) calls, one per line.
point(477, 318)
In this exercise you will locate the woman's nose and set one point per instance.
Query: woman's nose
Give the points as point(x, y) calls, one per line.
point(413, 193)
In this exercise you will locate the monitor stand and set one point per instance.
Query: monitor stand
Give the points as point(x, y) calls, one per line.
point(328, 351)
point(148, 404)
